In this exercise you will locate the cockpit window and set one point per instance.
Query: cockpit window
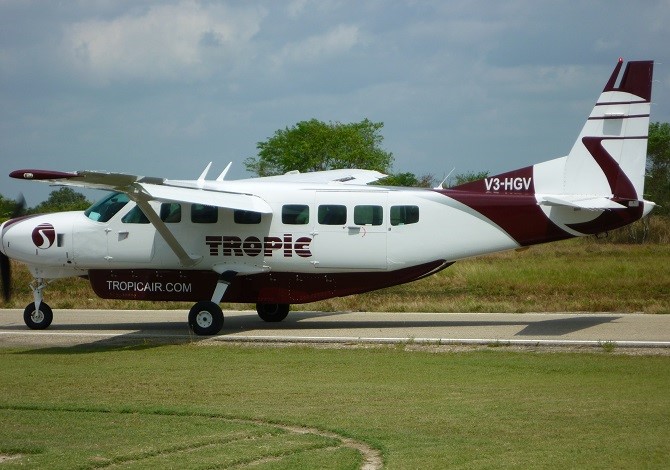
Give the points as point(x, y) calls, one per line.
point(106, 208)
point(135, 216)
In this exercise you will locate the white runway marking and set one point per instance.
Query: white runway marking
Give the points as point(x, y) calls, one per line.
point(72, 327)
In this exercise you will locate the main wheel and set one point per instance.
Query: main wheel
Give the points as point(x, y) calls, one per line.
point(205, 318)
point(38, 319)
point(272, 312)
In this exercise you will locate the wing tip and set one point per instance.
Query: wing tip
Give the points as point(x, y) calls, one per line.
point(30, 174)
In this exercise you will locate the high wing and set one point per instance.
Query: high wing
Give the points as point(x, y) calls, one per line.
point(343, 176)
point(149, 188)
point(144, 189)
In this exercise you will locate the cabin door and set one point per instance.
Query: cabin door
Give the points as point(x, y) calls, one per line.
point(349, 230)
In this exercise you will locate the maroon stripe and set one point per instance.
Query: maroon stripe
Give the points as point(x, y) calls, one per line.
point(18, 219)
point(620, 102)
point(609, 220)
point(497, 184)
point(292, 288)
point(630, 116)
point(518, 215)
point(620, 184)
point(636, 79)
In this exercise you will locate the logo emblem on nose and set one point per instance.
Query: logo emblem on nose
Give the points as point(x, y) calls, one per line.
point(44, 236)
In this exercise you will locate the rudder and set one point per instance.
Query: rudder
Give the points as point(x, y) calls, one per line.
point(609, 156)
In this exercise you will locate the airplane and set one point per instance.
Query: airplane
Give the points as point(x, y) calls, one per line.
point(303, 237)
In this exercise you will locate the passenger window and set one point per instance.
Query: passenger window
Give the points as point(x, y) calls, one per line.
point(171, 212)
point(332, 214)
point(295, 214)
point(135, 216)
point(368, 215)
point(107, 207)
point(202, 214)
point(247, 217)
point(404, 215)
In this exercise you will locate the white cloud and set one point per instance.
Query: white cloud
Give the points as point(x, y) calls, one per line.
point(184, 41)
point(336, 41)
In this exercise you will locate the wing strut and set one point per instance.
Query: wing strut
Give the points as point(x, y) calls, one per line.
point(141, 198)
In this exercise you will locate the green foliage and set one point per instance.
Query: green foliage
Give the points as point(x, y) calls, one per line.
point(315, 146)
point(463, 178)
point(651, 229)
point(63, 199)
point(407, 180)
point(7, 208)
point(657, 181)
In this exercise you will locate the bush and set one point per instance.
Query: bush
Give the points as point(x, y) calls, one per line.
point(650, 229)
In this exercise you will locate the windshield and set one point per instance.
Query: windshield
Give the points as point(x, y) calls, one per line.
point(107, 207)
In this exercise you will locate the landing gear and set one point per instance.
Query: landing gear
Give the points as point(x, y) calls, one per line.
point(272, 312)
point(205, 318)
point(38, 315)
point(38, 318)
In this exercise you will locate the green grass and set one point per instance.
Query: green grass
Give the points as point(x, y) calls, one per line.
point(575, 275)
point(202, 406)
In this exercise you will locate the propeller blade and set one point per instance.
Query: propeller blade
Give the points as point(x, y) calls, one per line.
point(19, 206)
point(5, 264)
point(6, 275)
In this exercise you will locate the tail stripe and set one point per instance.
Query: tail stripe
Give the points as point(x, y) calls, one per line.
point(631, 116)
point(620, 185)
point(602, 103)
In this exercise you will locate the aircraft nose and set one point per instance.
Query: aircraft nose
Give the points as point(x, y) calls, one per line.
point(23, 237)
point(4, 237)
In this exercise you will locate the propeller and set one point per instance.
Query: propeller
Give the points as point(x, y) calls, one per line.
point(5, 265)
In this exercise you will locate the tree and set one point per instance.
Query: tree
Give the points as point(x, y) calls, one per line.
point(657, 178)
point(63, 199)
point(7, 208)
point(463, 178)
point(315, 146)
point(407, 180)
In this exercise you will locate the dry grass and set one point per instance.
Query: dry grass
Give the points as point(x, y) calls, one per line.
point(575, 275)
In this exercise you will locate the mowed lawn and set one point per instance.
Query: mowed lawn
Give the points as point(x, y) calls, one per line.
point(202, 406)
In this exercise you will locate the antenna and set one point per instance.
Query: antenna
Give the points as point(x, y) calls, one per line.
point(224, 172)
point(439, 186)
point(201, 179)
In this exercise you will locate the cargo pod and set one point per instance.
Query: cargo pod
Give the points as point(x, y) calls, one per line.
point(349, 230)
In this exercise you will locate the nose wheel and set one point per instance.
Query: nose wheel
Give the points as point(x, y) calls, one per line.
point(38, 318)
point(38, 315)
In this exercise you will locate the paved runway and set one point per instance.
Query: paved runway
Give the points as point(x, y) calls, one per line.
point(72, 327)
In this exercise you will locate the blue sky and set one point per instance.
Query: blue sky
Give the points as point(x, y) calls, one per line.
point(162, 88)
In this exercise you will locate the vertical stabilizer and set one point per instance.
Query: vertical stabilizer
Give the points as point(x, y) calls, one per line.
point(609, 157)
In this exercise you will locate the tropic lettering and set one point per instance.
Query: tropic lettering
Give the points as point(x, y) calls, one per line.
point(231, 245)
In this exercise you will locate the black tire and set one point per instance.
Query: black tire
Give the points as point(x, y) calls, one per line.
point(272, 312)
point(38, 320)
point(205, 318)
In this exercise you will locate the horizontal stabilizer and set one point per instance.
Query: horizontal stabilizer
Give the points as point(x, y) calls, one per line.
point(580, 202)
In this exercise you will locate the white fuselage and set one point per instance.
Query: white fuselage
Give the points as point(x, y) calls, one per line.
point(341, 228)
